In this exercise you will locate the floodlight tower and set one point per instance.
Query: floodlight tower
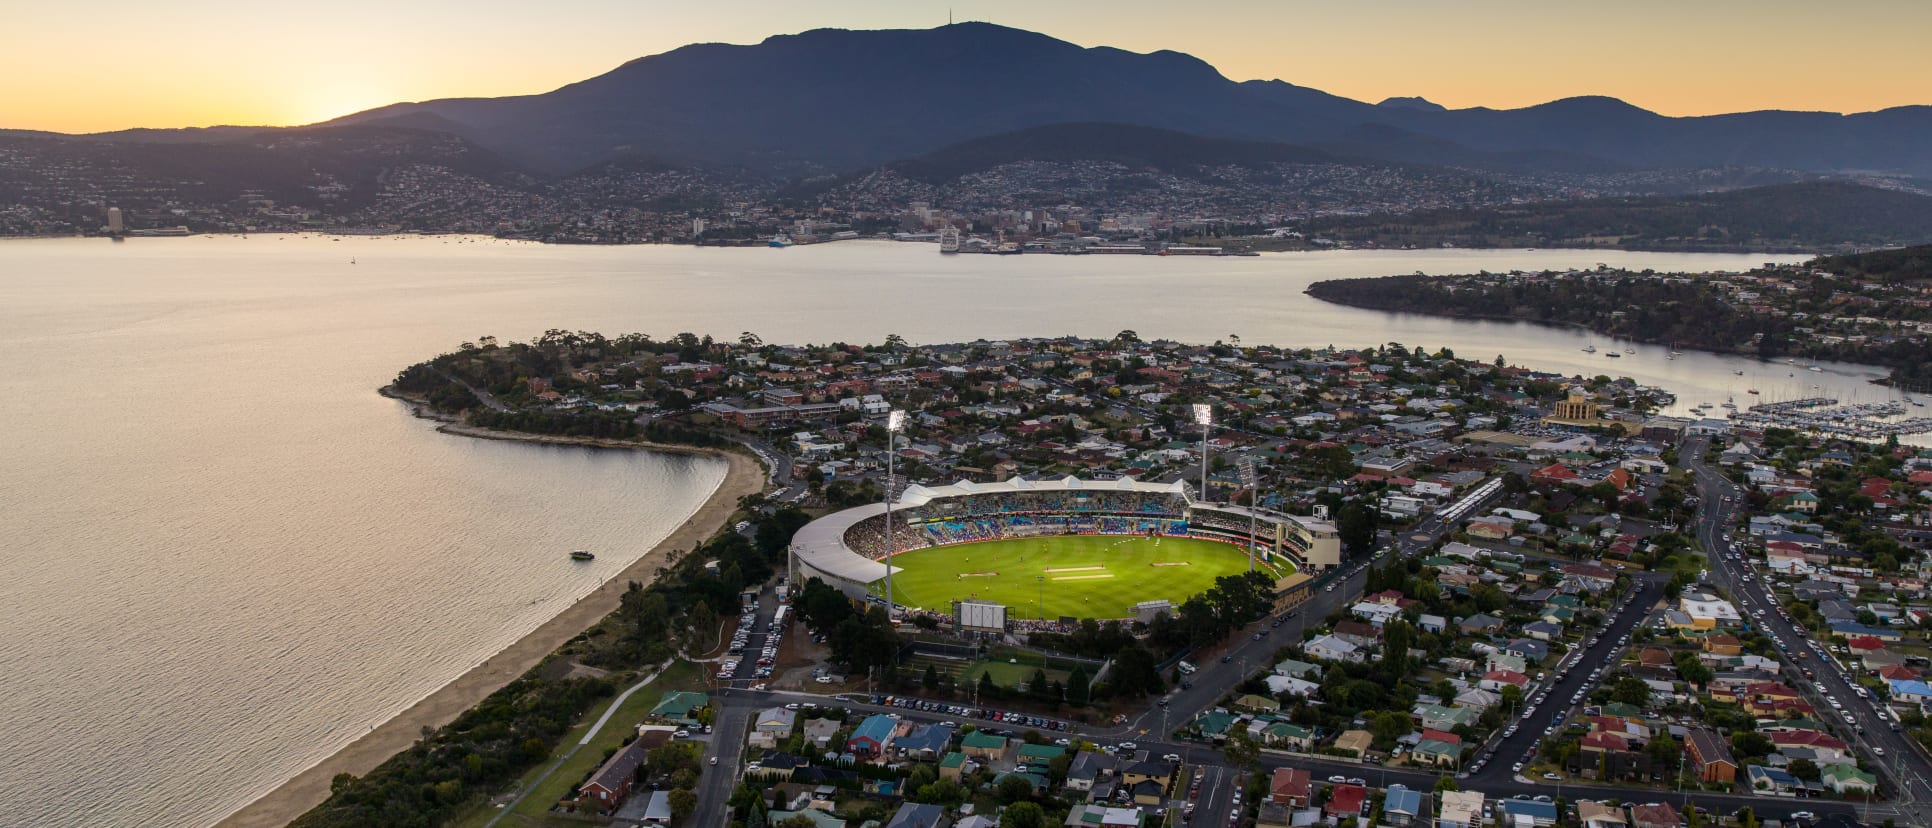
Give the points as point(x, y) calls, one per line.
point(1248, 478)
point(1204, 414)
point(895, 423)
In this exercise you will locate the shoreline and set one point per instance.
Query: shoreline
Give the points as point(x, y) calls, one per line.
point(1886, 380)
point(760, 243)
point(296, 795)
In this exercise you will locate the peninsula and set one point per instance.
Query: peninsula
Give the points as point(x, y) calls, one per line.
point(1873, 308)
point(1186, 500)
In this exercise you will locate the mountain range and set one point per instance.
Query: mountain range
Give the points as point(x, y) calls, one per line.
point(834, 100)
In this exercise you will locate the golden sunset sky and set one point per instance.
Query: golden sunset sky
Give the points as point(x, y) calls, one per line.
point(113, 64)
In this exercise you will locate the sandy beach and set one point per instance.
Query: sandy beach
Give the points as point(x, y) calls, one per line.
point(307, 789)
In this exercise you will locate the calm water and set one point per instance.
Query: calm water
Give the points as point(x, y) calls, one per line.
point(222, 556)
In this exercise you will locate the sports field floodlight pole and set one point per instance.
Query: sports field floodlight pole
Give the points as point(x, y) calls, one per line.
point(895, 423)
point(1254, 498)
point(1204, 414)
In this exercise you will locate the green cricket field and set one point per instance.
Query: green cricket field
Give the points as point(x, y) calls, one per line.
point(1082, 576)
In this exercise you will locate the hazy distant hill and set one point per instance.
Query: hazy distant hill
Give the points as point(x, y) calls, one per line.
point(1136, 146)
point(1815, 214)
point(834, 100)
point(333, 166)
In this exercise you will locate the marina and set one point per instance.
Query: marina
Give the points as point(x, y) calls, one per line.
point(1826, 416)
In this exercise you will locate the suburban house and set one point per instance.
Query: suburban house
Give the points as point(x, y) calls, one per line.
point(915, 815)
point(1332, 648)
point(1402, 806)
point(1598, 815)
point(612, 782)
point(983, 746)
point(1291, 787)
point(1710, 756)
point(1462, 809)
point(680, 707)
point(1654, 815)
point(773, 725)
point(870, 738)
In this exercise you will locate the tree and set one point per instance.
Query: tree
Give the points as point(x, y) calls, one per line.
point(1630, 690)
point(683, 802)
point(1077, 685)
point(1356, 524)
point(1664, 752)
point(1014, 789)
point(1136, 673)
point(1023, 815)
point(1448, 783)
point(1038, 684)
point(931, 680)
point(1804, 769)
point(1240, 749)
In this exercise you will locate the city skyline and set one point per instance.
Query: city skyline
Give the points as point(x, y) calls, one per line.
point(117, 64)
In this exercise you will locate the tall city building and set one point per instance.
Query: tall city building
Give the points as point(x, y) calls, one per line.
point(115, 224)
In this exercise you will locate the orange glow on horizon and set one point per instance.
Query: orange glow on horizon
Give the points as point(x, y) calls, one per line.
point(115, 64)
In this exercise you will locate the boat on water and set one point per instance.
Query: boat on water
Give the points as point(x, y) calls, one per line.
point(779, 241)
point(582, 555)
point(1815, 368)
point(1589, 349)
point(1751, 391)
point(1614, 355)
point(949, 240)
point(1737, 373)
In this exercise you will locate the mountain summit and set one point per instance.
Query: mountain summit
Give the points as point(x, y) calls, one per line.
point(832, 100)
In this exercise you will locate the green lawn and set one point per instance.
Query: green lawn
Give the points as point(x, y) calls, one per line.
point(1008, 675)
point(1092, 576)
point(535, 808)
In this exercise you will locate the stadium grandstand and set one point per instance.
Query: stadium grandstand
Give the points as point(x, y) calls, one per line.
point(847, 549)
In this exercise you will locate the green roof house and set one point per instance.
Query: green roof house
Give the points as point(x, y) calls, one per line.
point(678, 706)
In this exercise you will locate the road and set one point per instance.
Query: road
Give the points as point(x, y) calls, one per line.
point(728, 731)
point(1544, 707)
point(1721, 503)
point(747, 702)
point(1254, 647)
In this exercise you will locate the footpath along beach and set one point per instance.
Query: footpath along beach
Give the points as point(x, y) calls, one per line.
point(292, 798)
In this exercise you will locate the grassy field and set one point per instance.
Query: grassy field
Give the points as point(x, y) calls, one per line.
point(535, 808)
point(1085, 576)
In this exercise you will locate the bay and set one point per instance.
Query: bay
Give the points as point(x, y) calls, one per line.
point(222, 556)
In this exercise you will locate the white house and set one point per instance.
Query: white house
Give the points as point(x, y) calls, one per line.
point(1330, 648)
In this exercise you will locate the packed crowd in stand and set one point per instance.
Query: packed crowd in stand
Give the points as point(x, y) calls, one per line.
point(1019, 514)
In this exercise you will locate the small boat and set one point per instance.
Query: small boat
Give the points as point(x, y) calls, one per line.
point(779, 241)
point(1815, 368)
point(1614, 355)
point(1737, 373)
point(582, 555)
point(1752, 391)
point(1589, 349)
